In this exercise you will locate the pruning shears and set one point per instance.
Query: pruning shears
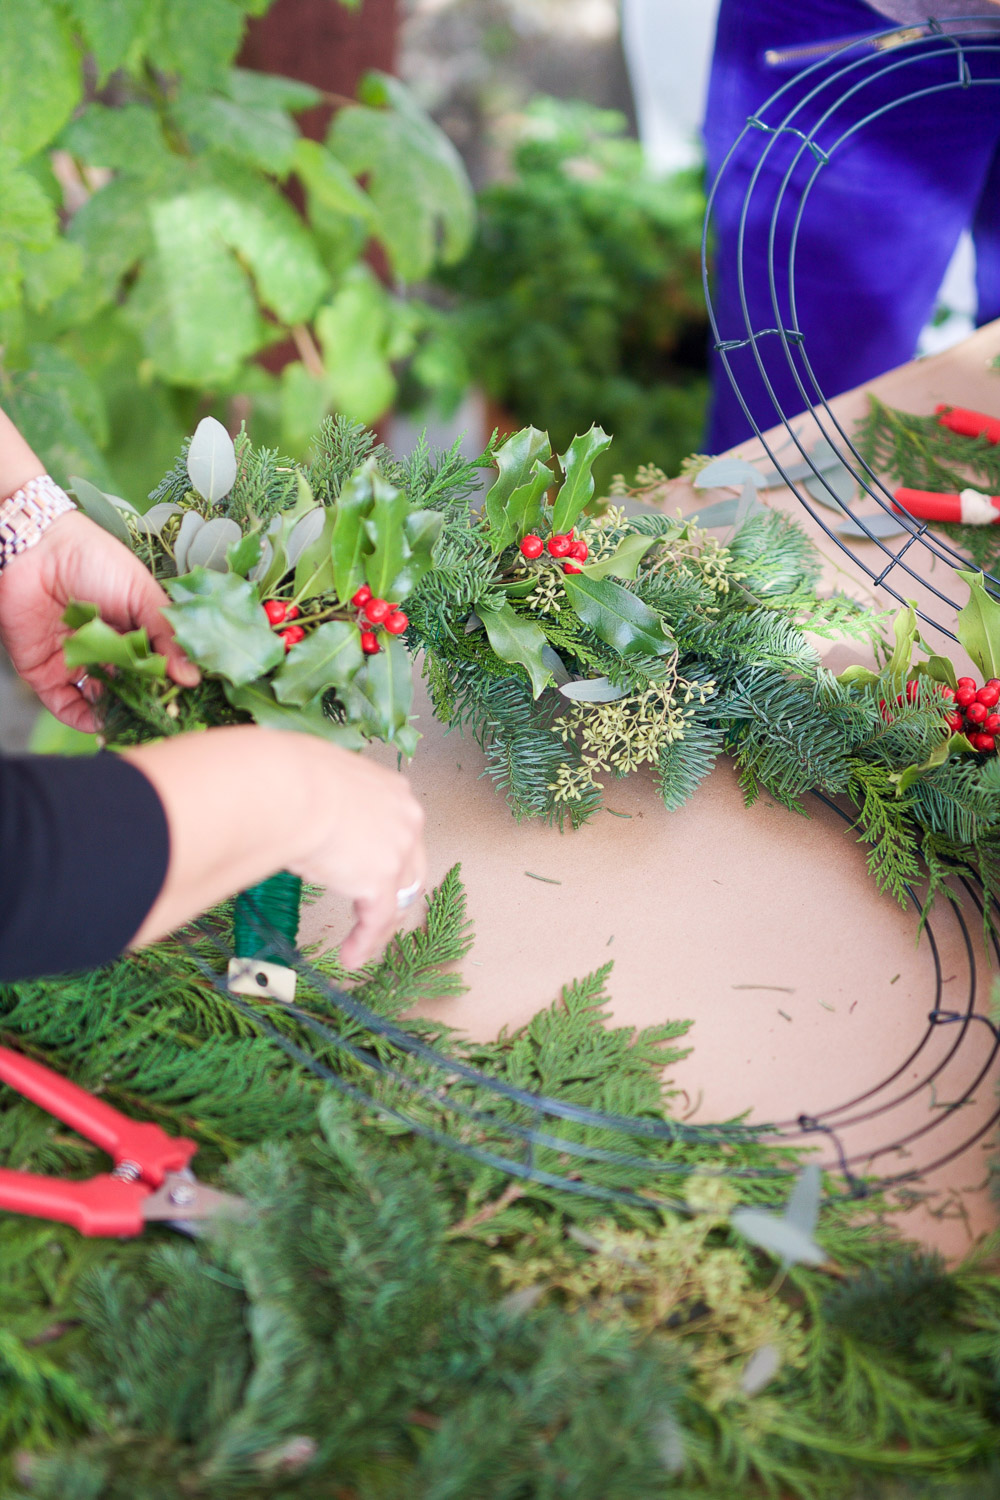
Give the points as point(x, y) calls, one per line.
point(970, 507)
point(151, 1181)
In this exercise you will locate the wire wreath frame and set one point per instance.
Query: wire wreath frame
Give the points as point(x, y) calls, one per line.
point(523, 1125)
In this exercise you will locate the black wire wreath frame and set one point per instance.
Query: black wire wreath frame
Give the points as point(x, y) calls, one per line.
point(422, 1071)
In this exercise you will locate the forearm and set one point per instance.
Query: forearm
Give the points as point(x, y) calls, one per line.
point(18, 463)
point(233, 812)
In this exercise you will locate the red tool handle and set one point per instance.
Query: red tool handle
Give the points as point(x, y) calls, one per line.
point(929, 505)
point(100, 1206)
point(969, 423)
point(153, 1151)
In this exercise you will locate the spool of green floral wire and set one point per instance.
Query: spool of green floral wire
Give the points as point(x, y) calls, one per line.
point(264, 912)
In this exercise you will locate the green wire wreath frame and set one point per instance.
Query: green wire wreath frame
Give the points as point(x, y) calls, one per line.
point(267, 916)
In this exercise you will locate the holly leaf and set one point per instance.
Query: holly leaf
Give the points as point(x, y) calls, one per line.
point(381, 694)
point(329, 657)
point(517, 640)
point(624, 561)
point(415, 178)
point(422, 529)
point(938, 669)
point(617, 617)
point(979, 625)
point(349, 537)
point(257, 699)
point(221, 625)
point(95, 644)
point(578, 483)
point(385, 530)
point(516, 460)
point(525, 507)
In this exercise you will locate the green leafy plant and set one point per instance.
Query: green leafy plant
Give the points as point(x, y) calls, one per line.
point(581, 298)
point(149, 253)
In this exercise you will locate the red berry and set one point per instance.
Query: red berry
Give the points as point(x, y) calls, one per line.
point(991, 724)
point(276, 610)
point(976, 713)
point(965, 696)
point(369, 644)
point(993, 682)
point(396, 623)
point(361, 598)
point(292, 636)
point(572, 567)
point(292, 612)
point(580, 550)
point(956, 723)
point(984, 742)
point(988, 695)
point(376, 610)
point(912, 691)
point(883, 710)
point(947, 692)
point(532, 545)
point(967, 682)
point(559, 546)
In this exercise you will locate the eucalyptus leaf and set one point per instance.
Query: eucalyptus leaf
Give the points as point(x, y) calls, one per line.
point(96, 505)
point(617, 617)
point(209, 548)
point(881, 525)
point(556, 665)
point(211, 461)
point(802, 1208)
point(260, 568)
point(257, 699)
point(774, 1233)
point(577, 488)
point(517, 640)
point(220, 624)
point(189, 529)
point(593, 690)
point(329, 657)
point(156, 517)
point(760, 1369)
point(722, 513)
point(747, 505)
point(723, 473)
point(624, 561)
point(307, 529)
point(840, 480)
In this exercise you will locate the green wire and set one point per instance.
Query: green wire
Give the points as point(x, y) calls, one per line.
point(270, 907)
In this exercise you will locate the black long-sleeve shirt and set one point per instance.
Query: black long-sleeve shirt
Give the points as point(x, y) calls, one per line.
point(84, 847)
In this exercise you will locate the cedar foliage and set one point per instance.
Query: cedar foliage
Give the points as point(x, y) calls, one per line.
point(396, 1321)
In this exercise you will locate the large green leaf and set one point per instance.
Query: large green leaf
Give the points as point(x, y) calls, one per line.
point(270, 90)
point(114, 232)
point(517, 461)
point(422, 196)
point(111, 30)
point(95, 643)
point(40, 82)
point(578, 482)
point(517, 640)
point(381, 694)
point(221, 626)
point(197, 39)
point(264, 137)
point(257, 699)
point(329, 181)
point(624, 561)
point(359, 340)
point(193, 305)
point(979, 625)
point(616, 616)
point(328, 658)
point(349, 536)
point(384, 527)
point(59, 409)
point(126, 138)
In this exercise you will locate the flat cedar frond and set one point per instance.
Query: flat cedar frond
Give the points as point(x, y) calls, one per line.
point(885, 826)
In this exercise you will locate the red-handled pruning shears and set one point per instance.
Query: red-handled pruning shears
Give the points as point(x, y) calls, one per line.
point(151, 1181)
point(970, 508)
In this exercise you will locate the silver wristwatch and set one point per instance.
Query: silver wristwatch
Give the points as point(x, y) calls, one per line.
point(27, 513)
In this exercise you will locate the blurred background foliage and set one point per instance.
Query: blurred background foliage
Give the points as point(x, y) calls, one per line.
point(179, 238)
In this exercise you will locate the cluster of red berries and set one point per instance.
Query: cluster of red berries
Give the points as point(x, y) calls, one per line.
point(376, 612)
point(974, 712)
point(278, 612)
point(564, 545)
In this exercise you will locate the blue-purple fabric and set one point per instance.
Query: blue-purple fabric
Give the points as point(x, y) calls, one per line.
point(879, 222)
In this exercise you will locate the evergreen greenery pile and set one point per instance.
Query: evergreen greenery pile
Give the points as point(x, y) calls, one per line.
point(396, 1322)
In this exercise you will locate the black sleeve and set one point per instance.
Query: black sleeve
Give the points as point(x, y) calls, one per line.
point(84, 847)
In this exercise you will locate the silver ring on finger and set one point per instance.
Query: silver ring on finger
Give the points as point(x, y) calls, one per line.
point(408, 895)
point(81, 681)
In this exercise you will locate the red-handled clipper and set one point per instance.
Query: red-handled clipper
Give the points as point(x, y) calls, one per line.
point(151, 1180)
point(970, 508)
point(968, 423)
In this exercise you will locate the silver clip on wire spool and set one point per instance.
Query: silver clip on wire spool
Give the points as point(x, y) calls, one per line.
point(265, 912)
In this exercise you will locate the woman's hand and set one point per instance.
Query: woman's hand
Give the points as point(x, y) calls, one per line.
point(76, 559)
point(243, 802)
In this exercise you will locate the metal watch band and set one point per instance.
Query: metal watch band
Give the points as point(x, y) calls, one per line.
point(27, 513)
